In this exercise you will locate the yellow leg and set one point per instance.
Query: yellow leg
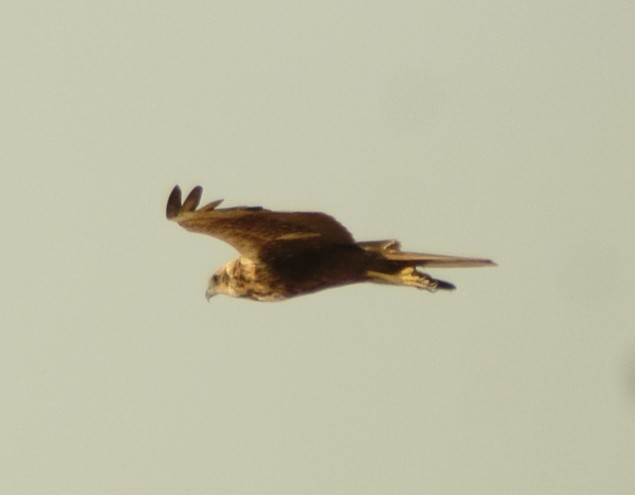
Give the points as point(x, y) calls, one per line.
point(408, 276)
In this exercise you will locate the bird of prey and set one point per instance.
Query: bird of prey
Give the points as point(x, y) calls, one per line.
point(287, 254)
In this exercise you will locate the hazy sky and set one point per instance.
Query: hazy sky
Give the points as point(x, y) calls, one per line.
point(493, 129)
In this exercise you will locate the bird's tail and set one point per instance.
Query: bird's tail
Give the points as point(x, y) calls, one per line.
point(399, 268)
point(390, 250)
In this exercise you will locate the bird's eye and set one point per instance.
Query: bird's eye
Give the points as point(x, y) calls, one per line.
point(214, 278)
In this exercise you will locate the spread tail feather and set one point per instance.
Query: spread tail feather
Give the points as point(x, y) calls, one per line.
point(439, 260)
point(390, 249)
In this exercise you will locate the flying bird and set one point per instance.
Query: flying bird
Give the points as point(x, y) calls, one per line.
point(287, 254)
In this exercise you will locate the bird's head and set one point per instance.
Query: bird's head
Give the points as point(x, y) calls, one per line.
point(223, 282)
point(216, 283)
point(238, 278)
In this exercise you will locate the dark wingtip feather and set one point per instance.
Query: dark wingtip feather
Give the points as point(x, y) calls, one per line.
point(211, 206)
point(193, 199)
point(174, 203)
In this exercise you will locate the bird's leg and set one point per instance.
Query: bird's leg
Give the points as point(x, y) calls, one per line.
point(411, 277)
point(408, 276)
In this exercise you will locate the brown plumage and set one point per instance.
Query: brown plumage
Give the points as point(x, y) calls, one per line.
point(286, 254)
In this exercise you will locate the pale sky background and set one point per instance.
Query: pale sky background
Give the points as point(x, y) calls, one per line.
point(494, 129)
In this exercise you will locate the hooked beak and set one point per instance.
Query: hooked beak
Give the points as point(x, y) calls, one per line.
point(209, 293)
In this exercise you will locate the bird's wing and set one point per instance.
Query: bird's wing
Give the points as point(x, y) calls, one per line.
point(251, 229)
